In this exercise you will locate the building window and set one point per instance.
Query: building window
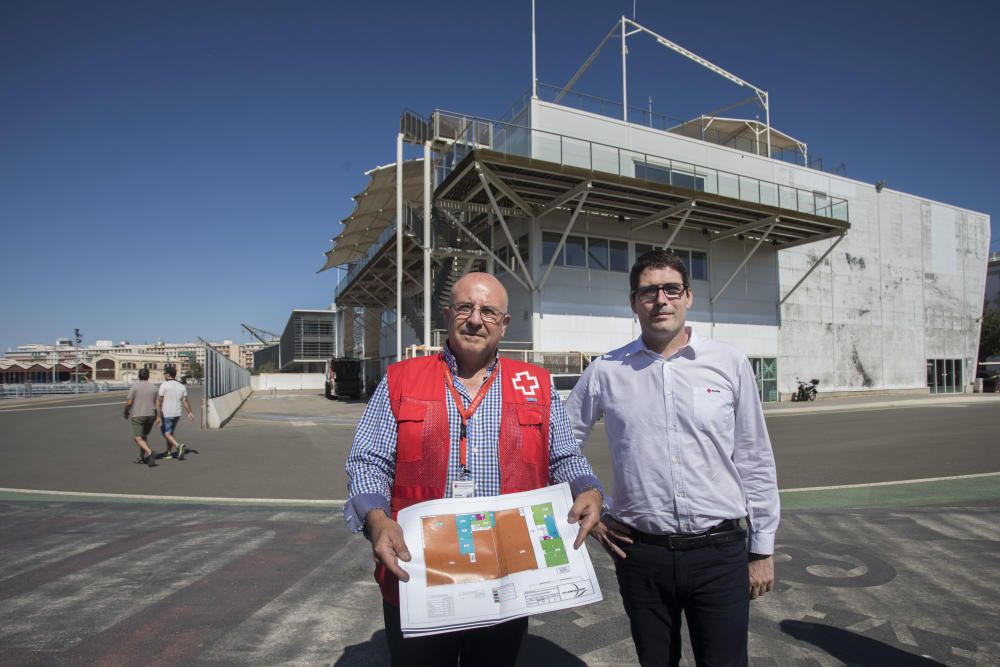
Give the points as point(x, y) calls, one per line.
point(765, 369)
point(550, 241)
point(668, 176)
point(619, 256)
point(590, 252)
point(597, 253)
point(576, 251)
point(944, 376)
point(696, 261)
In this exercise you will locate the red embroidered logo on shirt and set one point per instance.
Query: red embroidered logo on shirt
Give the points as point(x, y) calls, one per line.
point(712, 390)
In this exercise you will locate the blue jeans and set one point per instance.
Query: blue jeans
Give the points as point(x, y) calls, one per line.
point(169, 425)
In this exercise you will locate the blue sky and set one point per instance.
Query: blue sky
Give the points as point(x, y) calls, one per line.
point(172, 169)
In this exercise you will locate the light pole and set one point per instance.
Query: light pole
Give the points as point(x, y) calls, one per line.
point(79, 339)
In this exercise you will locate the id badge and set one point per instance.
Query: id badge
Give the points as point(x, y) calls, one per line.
point(463, 488)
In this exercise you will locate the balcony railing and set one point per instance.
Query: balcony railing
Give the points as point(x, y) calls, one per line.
point(594, 156)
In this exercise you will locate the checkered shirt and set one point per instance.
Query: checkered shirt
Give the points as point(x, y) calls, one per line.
point(371, 462)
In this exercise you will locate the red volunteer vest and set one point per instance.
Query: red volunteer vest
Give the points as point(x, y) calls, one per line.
point(418, 397)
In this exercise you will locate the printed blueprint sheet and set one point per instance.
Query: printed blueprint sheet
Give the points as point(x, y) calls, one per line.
point(479, 561)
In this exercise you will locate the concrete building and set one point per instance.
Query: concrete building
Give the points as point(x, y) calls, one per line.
point(308, 341)
point(812, 274)
point(106, 361)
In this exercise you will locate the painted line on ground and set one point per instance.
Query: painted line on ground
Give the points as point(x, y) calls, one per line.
point(129, 497)
point(893, 483)
point(951, 490)
point(61, 407)
point(821, 492)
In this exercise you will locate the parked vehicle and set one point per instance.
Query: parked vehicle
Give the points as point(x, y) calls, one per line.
point(806, 391)
point(564, 383)
point(990, 378)
point(344, 378)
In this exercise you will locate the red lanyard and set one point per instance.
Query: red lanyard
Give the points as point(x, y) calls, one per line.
point(466, 413)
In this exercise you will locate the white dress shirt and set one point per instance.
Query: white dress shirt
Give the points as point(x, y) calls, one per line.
point(689, 446)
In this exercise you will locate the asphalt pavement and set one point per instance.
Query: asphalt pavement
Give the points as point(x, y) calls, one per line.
point(238, 555)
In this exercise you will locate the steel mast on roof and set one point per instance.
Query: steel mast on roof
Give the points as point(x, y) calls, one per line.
point(622, 26)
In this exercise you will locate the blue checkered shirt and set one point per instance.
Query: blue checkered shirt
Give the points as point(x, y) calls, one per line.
point(371, 462)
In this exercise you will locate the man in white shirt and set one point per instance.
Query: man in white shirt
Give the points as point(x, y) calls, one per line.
point(171, 397)
point(691, 458)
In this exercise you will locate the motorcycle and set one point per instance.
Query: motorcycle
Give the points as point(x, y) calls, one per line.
point(806, 391)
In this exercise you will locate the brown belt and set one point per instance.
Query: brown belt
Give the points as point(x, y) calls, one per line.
point(727, 531)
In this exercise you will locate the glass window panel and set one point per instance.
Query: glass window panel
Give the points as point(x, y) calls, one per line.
point(709, 180)
point(576, 153)
point(958, 375)
point(576, 251)
point(940, 380)
point(652, 173)
point(685, 257)
point(787, 197)
point(949, 375)
point(619, 256)
point(749, 189)
point(698, 268)
point(550, 241)
point(597, 254)
point(729, 186)
point(523, 247)
point(768, 194)
point(641, 249)
point(605, 158)
point(930, 374)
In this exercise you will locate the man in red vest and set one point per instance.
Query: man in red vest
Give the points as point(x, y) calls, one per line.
point(463, 423)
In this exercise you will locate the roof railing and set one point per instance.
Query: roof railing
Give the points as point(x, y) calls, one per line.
point(594, 156)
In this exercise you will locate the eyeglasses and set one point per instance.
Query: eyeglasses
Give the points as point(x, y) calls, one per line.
point(650, 293)
point(486, 313)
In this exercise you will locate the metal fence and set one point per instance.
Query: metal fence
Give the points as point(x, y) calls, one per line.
point(222, 374)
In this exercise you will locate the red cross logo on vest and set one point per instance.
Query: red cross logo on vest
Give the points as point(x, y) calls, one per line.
point(526, 383)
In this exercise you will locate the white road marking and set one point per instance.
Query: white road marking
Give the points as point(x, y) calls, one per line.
point(895, 483)
point(189, 499)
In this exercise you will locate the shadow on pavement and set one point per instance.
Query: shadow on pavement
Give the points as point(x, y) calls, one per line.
point(851, 648)
point(535, 651)
point(375, 651)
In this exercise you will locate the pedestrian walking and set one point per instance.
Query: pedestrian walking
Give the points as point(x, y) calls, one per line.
point(171, 399)
point(140, 406)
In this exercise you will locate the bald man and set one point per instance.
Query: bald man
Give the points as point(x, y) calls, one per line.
point(463, 423)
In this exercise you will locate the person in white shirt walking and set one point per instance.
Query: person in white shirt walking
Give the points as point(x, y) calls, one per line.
point(171, 398)
point(691, 460)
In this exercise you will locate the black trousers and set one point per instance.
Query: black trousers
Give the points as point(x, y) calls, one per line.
point(493, 646)
point(710, 585)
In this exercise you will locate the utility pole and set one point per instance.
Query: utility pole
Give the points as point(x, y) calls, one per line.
point(79, 339)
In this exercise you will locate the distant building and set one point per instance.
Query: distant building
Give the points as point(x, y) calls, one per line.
point(103, 361)
point(308, 341)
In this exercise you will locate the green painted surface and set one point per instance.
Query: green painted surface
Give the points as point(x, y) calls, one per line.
point(555, 552)
point(539, 512)
point(947, 491)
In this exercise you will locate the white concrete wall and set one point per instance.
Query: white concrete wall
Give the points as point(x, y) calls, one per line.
point(222, 408)
point(905, 285)
point(287, 381)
